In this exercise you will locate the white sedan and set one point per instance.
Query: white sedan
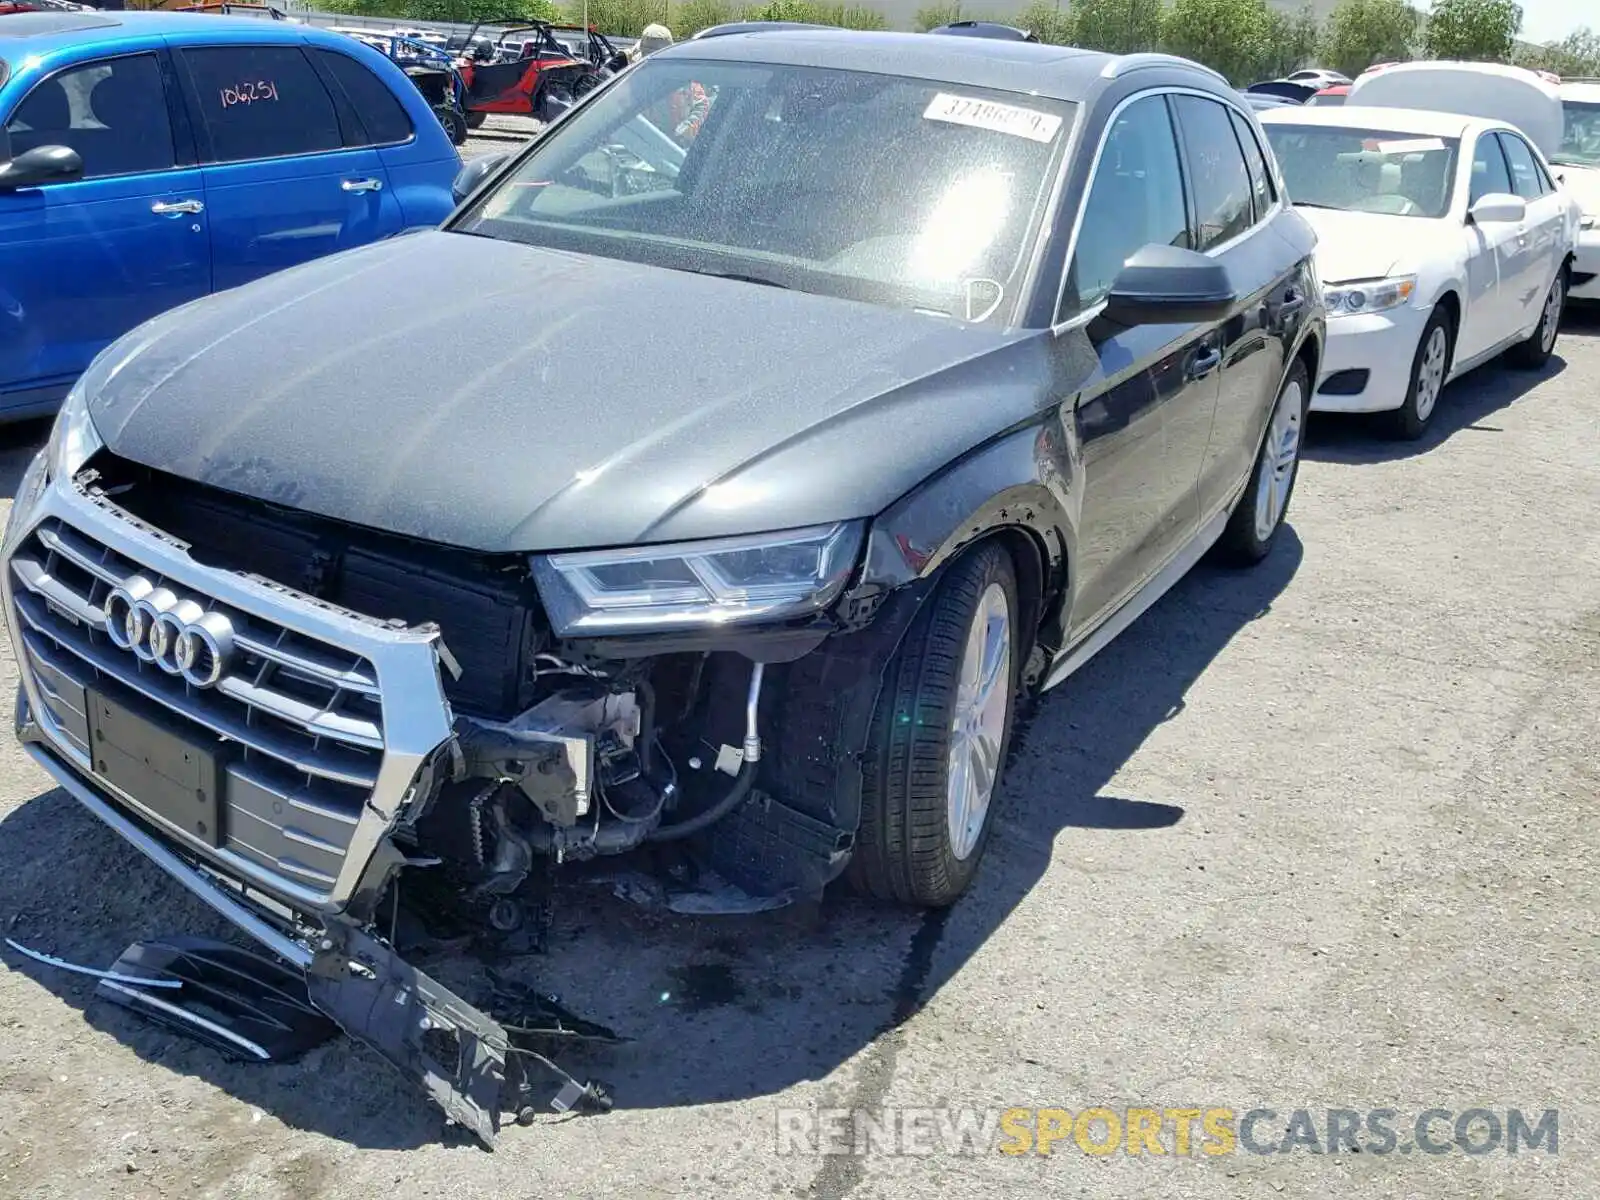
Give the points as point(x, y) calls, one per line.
point(1443, 241)
point(1577, 164)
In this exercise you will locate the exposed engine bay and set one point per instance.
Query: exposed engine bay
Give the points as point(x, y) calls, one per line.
point(562, 753)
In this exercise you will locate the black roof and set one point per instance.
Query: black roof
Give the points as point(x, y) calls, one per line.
point(753, 27)
point(986, 29)
point(1060, 72)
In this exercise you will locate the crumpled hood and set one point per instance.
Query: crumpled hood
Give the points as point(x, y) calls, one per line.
point(1356, 245)
point(507, 398)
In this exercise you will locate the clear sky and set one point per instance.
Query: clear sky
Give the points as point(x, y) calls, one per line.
point(1552, 20)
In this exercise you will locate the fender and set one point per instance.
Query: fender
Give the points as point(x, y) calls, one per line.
point(1028, 484)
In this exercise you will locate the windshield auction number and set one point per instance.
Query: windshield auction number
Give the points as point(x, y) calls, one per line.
point(250, 92)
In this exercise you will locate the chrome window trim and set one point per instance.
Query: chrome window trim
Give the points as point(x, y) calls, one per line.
point(1059, 326)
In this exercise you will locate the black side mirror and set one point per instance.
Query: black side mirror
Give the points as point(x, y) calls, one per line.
point(39, 166)
point(1169, 285)
point(474, 173)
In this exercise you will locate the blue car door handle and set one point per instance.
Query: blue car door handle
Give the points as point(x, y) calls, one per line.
point(362, 185)
point(173, 208)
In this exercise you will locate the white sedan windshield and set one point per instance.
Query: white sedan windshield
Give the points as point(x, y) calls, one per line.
point(870, 186)
point(1366, 170)
point(1580, 138)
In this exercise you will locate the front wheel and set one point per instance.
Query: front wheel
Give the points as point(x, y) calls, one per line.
point(1535, 351)
point(1257, 517)
point(939, 737)
point(1429, 367)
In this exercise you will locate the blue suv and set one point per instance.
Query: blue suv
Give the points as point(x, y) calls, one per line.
point(149, 159)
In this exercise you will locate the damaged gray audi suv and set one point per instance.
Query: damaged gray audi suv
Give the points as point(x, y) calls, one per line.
point(710, 488)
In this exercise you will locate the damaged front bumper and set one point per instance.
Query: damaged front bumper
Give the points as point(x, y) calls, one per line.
point(462, 1058)
point(299, 866)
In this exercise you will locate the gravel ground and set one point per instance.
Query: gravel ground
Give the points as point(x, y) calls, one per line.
point(498, 135)
point(1315, 836)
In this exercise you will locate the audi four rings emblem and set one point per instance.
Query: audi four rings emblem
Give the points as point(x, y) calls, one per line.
point(172, 632)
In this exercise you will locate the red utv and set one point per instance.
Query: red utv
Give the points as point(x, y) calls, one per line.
point(538, 77)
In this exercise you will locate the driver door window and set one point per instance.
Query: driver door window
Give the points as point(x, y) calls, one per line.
point(1525, 178)
point(1489, 174)
point(113, 113)
point(1136, 198)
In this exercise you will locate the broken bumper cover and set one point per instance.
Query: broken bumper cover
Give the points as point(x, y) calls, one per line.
point(65, 547)
point(458, 1054)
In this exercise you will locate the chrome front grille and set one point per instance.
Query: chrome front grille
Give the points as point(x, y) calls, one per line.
point(299, 721)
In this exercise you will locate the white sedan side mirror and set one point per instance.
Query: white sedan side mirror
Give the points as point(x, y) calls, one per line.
point(1499, 207)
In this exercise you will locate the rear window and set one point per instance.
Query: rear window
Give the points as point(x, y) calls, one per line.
point(260, 102)
point(382, 116)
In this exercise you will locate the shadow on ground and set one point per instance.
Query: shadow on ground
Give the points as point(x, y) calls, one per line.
point(720, 1009)
point(1468, 406)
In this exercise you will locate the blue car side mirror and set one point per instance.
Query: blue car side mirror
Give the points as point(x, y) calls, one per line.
point(39, 166)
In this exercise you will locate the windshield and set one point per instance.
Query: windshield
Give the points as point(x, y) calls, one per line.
point(1366, 170)
point(880, 188)
point(1580, 138)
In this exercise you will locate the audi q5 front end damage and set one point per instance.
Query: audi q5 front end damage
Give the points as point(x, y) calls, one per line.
point(203, 672)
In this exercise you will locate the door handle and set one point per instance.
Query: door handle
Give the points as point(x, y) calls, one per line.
point(362, 185)
point(165, 208)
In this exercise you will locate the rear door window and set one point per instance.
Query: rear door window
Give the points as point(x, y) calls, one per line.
point(1222, 189)
point(112, 112)
point(1260, 180)
point(382, 117)
point(1525, 179)
point(260, 102)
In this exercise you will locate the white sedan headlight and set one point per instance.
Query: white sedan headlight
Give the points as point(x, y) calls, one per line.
point(1370, 295)
point(693, 585)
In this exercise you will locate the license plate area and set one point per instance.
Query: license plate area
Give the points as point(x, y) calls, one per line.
point(176, 778)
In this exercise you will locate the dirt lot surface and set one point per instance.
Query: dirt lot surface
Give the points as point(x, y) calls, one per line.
point(1320, 835)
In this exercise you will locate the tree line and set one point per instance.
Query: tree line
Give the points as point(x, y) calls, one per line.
point(1245, 40)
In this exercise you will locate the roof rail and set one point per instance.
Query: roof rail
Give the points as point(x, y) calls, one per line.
point(1122, 64)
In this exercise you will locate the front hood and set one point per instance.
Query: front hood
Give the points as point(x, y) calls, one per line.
point(1356, 245)
point(507, 398)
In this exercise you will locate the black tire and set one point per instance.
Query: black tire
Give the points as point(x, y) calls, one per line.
point(454, 124)
point(904, 849)
point(1533, 353)
point(475, 120)
point(1241, 543)
point(1410, 421)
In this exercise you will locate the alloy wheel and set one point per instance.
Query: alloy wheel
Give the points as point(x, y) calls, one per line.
point(1279, 456)
point(978, 722)
point(1550, 319)
point(1430, 372)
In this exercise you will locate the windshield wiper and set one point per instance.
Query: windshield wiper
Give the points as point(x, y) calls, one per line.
point(742, 278)
point(1314, 204)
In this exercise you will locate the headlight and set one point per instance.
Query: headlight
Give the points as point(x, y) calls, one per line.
point(27, 495)
point(1369, 295)
point(74, 438)
point(691, 585)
